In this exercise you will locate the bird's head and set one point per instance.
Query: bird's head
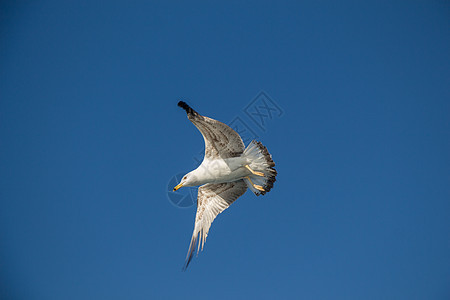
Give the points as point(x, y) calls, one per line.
point(188, 180)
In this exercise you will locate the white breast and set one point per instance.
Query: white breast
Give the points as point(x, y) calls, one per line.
point(222, 170)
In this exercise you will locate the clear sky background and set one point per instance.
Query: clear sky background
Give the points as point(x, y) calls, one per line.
point(90, 138)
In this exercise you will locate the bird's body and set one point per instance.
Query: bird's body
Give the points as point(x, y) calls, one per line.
point(221, 170)
point(226, 172)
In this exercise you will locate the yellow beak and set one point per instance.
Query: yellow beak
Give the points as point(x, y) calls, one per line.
point(177, 187)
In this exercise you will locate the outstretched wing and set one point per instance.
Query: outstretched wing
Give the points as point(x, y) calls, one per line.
point(212, 199)
point(220, 139)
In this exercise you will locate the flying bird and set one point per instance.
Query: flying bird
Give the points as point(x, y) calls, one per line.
point(227, 170)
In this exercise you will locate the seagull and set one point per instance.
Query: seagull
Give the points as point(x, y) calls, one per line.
point(227, 170)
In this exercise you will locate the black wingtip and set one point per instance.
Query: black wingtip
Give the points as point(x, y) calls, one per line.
point(186, 107)
point(194, 240)
point(183, 105)
point(186, 263)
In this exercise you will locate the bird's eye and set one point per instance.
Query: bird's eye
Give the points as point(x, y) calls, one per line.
point(184, 177)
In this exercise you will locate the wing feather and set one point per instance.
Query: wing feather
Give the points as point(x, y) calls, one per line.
point(212, 199)
point(220, 139)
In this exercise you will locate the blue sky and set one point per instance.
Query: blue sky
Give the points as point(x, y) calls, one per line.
point(91, 136)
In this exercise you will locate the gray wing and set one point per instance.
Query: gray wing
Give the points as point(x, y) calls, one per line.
point(212, 199)
point(220, 139)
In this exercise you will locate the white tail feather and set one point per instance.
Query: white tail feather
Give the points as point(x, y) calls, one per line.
point(260, 161)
